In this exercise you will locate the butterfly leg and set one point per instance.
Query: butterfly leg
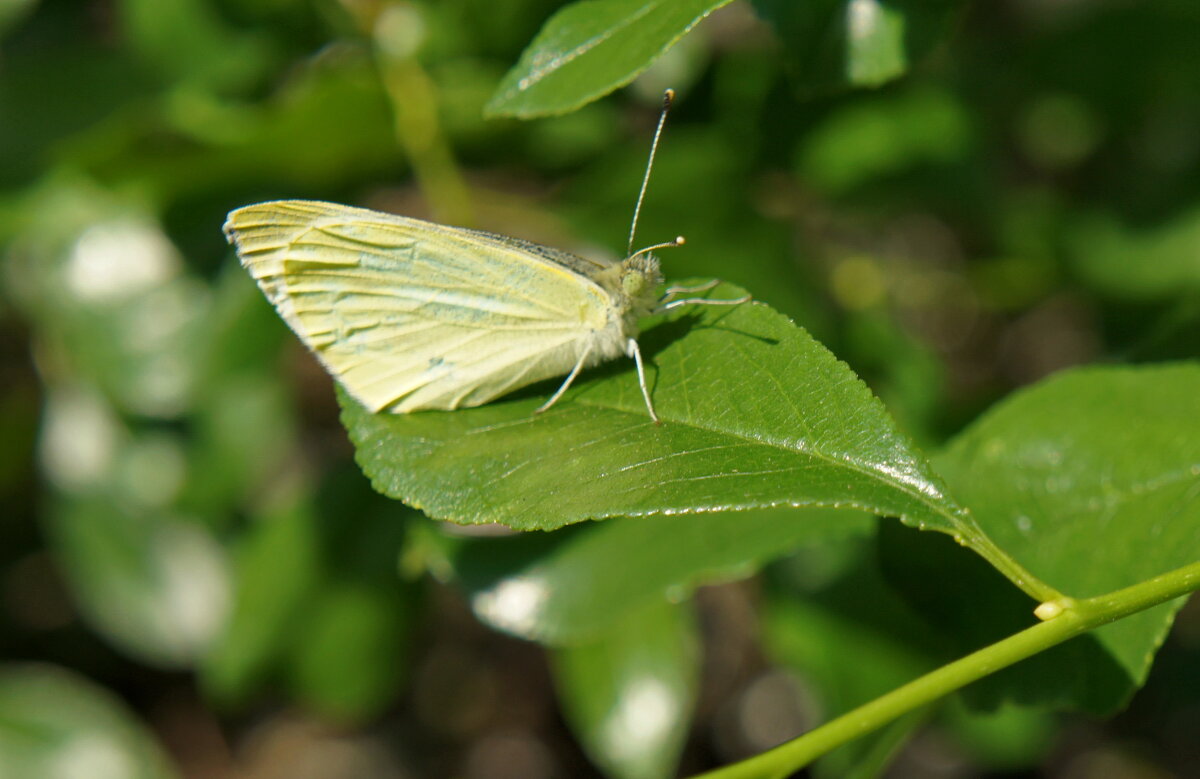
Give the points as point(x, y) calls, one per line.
point(631, 347)
point(701, 302)
point(566, 382)
point(672, 292)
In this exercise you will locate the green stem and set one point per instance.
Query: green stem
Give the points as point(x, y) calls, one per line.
point(961, 525)
point(414, 99)
point(1071, 618)
point(1012, 570)
point(397, 34)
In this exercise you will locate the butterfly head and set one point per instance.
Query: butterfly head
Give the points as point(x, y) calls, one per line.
point(640, 278)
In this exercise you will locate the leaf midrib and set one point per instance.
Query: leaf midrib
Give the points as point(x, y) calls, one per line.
point(850, 464)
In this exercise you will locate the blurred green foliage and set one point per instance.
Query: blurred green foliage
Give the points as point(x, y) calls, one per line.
point(1015, 194)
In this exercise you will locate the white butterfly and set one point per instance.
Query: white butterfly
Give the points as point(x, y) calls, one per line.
point(411, 315)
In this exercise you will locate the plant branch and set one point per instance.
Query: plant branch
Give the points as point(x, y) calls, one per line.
point(1066, 619)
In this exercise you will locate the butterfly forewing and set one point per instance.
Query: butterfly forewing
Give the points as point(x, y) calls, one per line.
point(410, 315)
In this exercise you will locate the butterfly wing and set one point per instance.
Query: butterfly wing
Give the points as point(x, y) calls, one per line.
point(411, 315)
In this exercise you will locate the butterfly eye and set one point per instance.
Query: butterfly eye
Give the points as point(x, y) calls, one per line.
point(633, 282)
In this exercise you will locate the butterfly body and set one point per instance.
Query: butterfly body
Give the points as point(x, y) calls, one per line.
point(411, 315)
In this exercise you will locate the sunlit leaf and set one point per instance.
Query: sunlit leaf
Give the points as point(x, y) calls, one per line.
point(590, 48)
point(56, 725)
point(857, 43)
point(756, 414)
point(628, 694)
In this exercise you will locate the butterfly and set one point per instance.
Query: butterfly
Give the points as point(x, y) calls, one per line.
point(411, 315)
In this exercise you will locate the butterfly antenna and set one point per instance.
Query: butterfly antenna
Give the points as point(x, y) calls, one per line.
point(668, 98)
point(679, 241)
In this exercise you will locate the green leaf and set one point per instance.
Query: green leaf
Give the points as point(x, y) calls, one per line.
point(317, 603)
point(884, 136)
point(353, 653)
point(277, 568)
point(756, 414)
point(153, 585)
point(349, 643)
point(857, 43)
point(186, 41)
point(876, 751)
point(110, 295)
point(1089, 480)
point(628, 695)
point(245, 426)
point(848, 640)
point(590, 48)
point(567, 593)
point(981, 609)
point(12, 12)
point(1147, 263)
point(1011, 738)
point(56, 725)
